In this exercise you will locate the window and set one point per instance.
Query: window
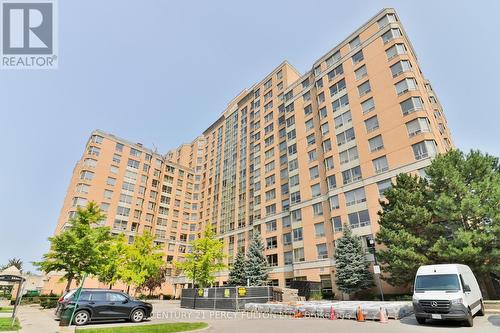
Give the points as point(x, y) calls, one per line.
point(271, 225)
point(384, 185)
point(298, 254)
point(270, 180)
point(296, 215)
point(311, 139)
point(119, 147)
point(269, 153)
point(297, 234)
point(327, 145)
point(389, 18)
point(345, 136)
point(343, 119)
point(339, 70)
point(339, 103)
point(322, 113)
point(351, 175)
point(314, 172)
point(329, 163)
point(268, 84)
point(120, 225)
point(285, 220)
point(349, 155)
point(111, 181)
point(334, 202)
point(358, 57)
point(291, 135)
point(290, 121)
point(406, 85)
point(90, 162)
point(337, 87)
point(319, 229)
point(294, 180)
point(321, 98)
point(380, 164)
point(135, 152)
point(371, 124)
point(271, 194)
point(86, 175)
point(324, 129)
point(116, 158)
point(400, 67)
point(124, 198)
point(416, 126)
point(395, 50)
point(133, 163)
point(293, 164)
point(295, 197)
point(376, 143)
point(82, 188)
point(410, 105)
point(355, 42)
point(271, 242)
point(122, 211)
point(361, 72)
point(331, 182)
point(319, 83)
point(288, 256)
point(364, 88)
point(94, 151)
point(287, 238)
point(316, 191)
point(333, 58)
point(271, 209)
point(391, 34)
point(354, 197)
point(368, 105)
point(359, 219)
point(272, 260)
point(337, 223)
point(308, 110)
point(424, 149)
point(322, 251)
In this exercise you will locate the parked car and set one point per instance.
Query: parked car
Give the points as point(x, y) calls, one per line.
point(104, 304)
point(445, 292)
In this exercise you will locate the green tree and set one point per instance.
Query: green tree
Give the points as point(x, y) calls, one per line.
point(452, 216)
point(351, 267)
point(237, 274)
point(406, 229)
point(257, 267)
point(80, 249)
point(204, 260)
point(110, 271)
point(16, 262)
point(143, 259)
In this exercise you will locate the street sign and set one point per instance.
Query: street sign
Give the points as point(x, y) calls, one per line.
point(376, 269)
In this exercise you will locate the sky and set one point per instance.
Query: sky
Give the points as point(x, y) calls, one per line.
point(160, 72)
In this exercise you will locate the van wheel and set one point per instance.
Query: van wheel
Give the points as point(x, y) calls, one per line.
point(469, 322)
point(481, 311)
point(420, 320)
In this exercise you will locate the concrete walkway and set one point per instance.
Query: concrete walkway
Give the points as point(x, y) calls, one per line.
point(35, 320)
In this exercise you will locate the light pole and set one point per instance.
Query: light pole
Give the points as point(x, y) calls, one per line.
point(376, 267)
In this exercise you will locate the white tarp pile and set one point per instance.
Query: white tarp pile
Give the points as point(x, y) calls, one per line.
point(343, 309)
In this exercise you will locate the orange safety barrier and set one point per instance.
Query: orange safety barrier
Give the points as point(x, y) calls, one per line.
point(360, 316)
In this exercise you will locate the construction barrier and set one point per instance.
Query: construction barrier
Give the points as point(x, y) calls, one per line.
point(224, 298)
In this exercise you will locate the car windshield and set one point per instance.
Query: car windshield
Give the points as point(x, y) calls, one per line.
point(447, 282)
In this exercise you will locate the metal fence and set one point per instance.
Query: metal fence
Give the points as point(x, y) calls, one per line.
point(224, 298)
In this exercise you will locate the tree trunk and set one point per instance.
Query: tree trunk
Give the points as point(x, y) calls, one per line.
point(110, 286)
point(68, 285)
point(128, 289)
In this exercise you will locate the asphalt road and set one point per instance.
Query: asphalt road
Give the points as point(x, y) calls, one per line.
point(231, 322)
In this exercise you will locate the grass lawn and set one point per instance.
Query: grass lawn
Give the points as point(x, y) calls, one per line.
point(155, 328)
point(6, 309)
point(5, 324)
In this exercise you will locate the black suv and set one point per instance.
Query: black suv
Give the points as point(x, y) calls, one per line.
point(104, 304)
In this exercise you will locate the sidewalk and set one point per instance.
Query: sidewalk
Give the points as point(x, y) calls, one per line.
point(35, 320)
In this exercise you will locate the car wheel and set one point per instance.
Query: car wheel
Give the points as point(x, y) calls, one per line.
point(420, 320)
point(81, 318)
point(469, 322)
point(137, 316)
point(481, 311)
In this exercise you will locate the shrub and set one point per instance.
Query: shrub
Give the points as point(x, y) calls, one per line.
point(316, 296)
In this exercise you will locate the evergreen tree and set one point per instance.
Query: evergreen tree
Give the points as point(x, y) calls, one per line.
point(237, 274)
point(452, 216)
point(256, 267)
point(351, 267)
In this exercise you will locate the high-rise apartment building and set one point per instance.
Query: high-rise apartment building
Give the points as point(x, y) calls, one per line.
point(295, 157)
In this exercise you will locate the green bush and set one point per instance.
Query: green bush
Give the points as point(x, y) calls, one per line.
point(316, 296)
point(48, 303)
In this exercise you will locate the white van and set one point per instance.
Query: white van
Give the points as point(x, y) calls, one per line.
point(447, 292)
